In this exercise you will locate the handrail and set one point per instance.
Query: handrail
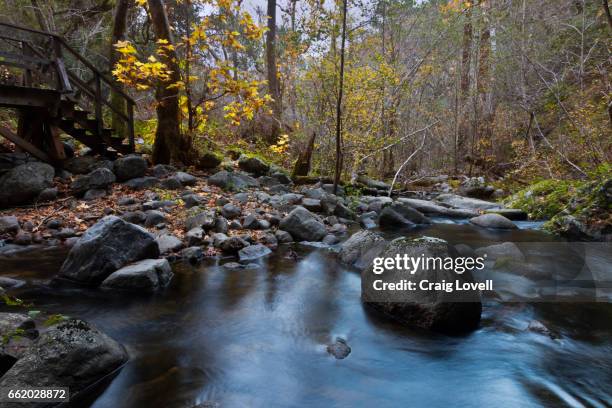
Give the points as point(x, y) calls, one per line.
point(76, 54)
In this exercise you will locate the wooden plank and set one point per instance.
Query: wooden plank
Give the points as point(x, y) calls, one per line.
point(55, 144)
point(25, 145)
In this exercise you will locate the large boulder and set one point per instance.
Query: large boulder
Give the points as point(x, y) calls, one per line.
point(303, 225)
point(232, 181)
point(494, 221)
point(253, 165)
point(399, 215)
point(99, 179)
point(209, 160)
point(105, 247)
point(72, 354)
point(433, 209)
point(361, 248)
point(147, 275)
point(130, 167)
point(437, 310)
point(253, 253)
point(457, 201)
point(24, 183)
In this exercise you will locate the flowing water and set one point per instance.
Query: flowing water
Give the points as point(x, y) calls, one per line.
point(257, 338)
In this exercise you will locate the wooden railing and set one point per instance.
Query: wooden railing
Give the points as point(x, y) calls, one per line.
point(42, 52)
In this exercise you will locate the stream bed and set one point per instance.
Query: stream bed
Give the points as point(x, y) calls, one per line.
point(257, 338)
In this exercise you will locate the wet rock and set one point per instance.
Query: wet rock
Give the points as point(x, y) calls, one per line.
point(330, 239)
point(48, 194)
point(339, 349)
point(209, 160)
point(105, 247)
point(99, 179)
point(154, 217)
point(303, 225)
point(230, 211)
point(73, 354)
point(511, 213)
point(168, 243)
point(24, 183)
point(130, 167)
point(17, 333)
point(361, 248)
point(253, 165)
point(253, 253)
point(441, 311)
point(465, 251)
point(134, 217)
point(432, 209)
point(399, 215)
point(269, 240)
point(9, 283)
point(192, 254)
point(458, 201)
point(500, 252)
point(218, 239)
point(142, 183)
point(185, 179)
point(494, 221)
point(162, 170)
point(539, 327)
point(236, 266)
point(233, 245)
point(232, 181)
point(283, 237)
point(94, 194)
point(147, 275)
point(9, 224)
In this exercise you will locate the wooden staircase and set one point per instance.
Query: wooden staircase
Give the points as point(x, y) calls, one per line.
point(58, 91)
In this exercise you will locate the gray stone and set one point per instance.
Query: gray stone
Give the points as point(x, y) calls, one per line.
point(142, 183)
point(242, 198)
point(154, 205)
point(195, 236)
point(192, 254)
point(253, 165)
point(163, 170)
point(134, 217)
point(343, 211)
point(253, 252)
point(330, 239)
point(251, 222)
point(99, 179)
point(218, 239)
point(510, 213)
point(204, 219)
point(232, 181)
point(431, 208)
point(270, 240)
point(283, 237)
point(171, 183)
point(340, 350)
point(315, 193)
point(186, 179)
point(147, 275)
point(361, 248)
point(303, 225)
point(209, 160)
point(94, 194)
point(168, 243)
point(154, 217)
point(457, 201)
point(500, 252)
point(494, 221)
point(24, 183)
point(130, 167)
point(311, 204)
point(448, 312)
point(233, 245)
point(193, 200)
point(72, 354)
point(230, 211)
point(221, 225)
point(105, 247)
point(48, 194)
point(398, 215)
point(9, 224)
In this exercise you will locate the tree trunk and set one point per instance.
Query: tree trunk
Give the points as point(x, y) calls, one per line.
point(465, 85)
point(273, 84)
point(170, 145)
point(118, 34)
point(302, 165)
point(339, 102)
